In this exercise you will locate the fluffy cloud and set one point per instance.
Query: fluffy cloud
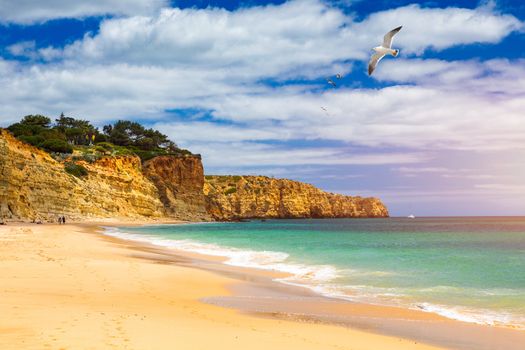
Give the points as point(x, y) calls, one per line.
point(407, 116)
point(439, 28)
point(247, 44)
point(218, 61)
point(492, 76)
point(23, 49)
point(31, 11)
point(434, 117)
point(267, 41)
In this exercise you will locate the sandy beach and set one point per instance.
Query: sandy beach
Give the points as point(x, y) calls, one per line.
point(64, 287)
point(69, 287)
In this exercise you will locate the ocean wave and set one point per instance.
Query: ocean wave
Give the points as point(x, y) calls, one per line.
point(479, 316)
point(265, 260)
point(320, 279)
point(472, 292)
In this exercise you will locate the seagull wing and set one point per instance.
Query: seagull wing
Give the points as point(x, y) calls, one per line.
point(387, 40)
point(373, 62)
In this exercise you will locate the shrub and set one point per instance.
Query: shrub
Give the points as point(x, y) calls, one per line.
point(145, 155)
point(55, 145)
point(32, 140)
point(36, 120)
point(106, 146)
point(230, 190)
point(75, 170)
point(90, 158)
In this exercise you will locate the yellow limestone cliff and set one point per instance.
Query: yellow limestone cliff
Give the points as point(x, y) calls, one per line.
point(180, 182)
point(35, 186)
point(239, 197)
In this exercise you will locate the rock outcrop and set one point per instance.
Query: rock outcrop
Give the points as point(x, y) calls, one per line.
point(239, 197)
point(180, 182)
point(35, 186)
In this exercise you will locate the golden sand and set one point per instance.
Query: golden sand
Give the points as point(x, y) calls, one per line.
point(65, 287)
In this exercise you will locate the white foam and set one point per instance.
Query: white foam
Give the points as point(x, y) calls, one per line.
point(265, 260)
point(479, 316)
point(318, 277)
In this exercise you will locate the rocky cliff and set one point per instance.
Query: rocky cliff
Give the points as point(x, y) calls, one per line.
point(180, 182)
point(35, 186)
point(238, 197)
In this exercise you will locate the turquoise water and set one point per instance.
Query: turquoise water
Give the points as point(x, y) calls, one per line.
point(471, 269)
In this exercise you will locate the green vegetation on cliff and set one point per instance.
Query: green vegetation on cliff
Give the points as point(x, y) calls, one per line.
point(75, 169)
point(68, 135)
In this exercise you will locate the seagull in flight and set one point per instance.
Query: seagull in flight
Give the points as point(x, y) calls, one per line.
point(384, 49)
point(331, 82)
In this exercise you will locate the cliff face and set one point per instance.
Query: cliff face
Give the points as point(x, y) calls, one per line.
point(237, 197)
point(180, 182)
point(35, 186)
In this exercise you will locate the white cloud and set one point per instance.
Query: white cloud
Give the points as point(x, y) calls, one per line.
point(34, 11)
point(469, 176)
point(409, 170)
point(492, 76)
point(447, 173)
point(23, 49)
point(7, 68)
point(408, 116)
point(247, 44)
point(432, 117)
point(214, 60)
point(247, 154)
point(267, 41)
point(502, 188)
point(197, 131)
point(439, 28)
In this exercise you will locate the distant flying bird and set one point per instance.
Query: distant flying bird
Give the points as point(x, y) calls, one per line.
point(325, 111)
point(331, 82)
point(339, 76)
point(385, 48)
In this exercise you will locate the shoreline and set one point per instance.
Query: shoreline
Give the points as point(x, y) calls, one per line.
point(286, 274)
point(70, 286)
point(258, 292)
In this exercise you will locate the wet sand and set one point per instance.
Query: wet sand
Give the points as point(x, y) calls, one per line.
point(257, 294)
point(69, 287)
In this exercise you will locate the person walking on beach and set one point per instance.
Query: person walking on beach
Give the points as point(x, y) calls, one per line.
point(63, 220)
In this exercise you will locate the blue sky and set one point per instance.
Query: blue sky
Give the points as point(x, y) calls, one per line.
point(437, 131)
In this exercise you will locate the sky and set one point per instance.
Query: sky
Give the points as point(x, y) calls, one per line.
point(439, 130)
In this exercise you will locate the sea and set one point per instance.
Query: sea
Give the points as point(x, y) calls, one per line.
point(466, 268)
